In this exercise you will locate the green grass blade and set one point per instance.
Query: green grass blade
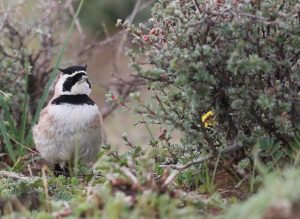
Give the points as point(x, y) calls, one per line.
point(7, 142)
point(54, 72)
point(25, 103)
point(8, 116)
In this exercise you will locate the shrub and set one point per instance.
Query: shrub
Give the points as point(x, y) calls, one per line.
point(239, 59)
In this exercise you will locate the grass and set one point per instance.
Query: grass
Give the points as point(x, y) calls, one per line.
point(113, 193)
point(99, 195)
point(7, 142)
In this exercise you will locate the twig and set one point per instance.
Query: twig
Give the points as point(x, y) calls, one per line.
point(120, 47)
point(22, 145)
point(45, 185)
point(130, 175)
point(170, 178)
point(15, 175)
point(29, 170)
point(77, 23)
point(202, 159)
point(62, 213)
point(239, 15)
point(129, 21)
point(196, 6)
point(119, 87)
point(124, 88)
point(242, 181)
point(92, 47)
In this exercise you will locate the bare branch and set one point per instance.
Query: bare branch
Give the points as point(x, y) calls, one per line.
point(124, 37)
point(130, 175)
point(170, 178)
point(15, 175)
point(77, 23)
point(196, 6)
point(123, 88)
point(202, 159)
point(91, 47)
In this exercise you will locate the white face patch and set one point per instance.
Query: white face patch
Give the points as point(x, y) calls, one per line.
point(73, 84)
point(74, 73)
point(81, 88)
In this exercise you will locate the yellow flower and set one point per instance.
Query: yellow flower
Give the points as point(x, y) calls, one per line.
point(208, 119)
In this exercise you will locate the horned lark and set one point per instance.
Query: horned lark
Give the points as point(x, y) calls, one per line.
point(71, 123)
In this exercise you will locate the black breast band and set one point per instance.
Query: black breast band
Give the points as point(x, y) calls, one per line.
point(79, 99)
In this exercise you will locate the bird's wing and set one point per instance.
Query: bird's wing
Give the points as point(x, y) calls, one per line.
point(97, 123)
point(42, 127)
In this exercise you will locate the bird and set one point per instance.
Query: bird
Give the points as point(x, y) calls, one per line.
point(71, 124)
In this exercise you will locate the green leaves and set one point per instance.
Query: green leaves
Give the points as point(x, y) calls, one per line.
point(266, 101)
point(236, 61)
point(271, 148)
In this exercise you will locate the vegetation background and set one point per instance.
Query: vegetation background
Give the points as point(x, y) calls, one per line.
point(199, 99)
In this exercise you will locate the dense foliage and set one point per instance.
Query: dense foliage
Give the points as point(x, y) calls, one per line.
point(238, 59)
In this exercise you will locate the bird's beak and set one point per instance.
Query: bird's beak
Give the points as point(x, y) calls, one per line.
point(83, 78)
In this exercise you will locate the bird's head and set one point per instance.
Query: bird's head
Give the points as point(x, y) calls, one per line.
point(73, 80)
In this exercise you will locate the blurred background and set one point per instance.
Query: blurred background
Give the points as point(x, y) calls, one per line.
point(98, 20)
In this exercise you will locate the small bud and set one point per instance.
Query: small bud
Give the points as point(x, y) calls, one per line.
point(135, 95)
point(162, 32)
point(146, 38)
point(6, 96)
point(284, 117)
point(119, 23)
point(154, 31)
point(125, 136)
point(108, 97)
point(6, 124)
point(162, 135)
point(113, 97)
